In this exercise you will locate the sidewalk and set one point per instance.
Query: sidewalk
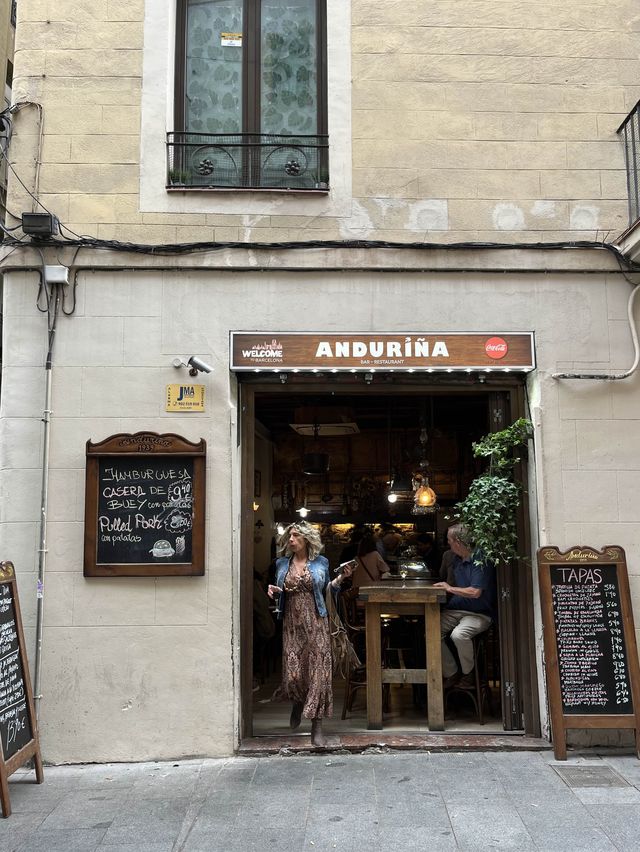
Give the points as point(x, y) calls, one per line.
point(373, 801)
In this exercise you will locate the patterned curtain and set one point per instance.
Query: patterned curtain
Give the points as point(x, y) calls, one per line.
point(213, 73)
point(213, 70)
point(288, 100)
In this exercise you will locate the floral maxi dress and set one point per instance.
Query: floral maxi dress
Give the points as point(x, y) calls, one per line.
point(306, 650)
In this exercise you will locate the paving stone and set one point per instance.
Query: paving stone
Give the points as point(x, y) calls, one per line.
point(86, 809)
point(628, 767)
point(76, 840)
point(621, 824)
point(142, 846)
point(494, 825)
point(608, 795)
point(417, 839)
point(562, 826)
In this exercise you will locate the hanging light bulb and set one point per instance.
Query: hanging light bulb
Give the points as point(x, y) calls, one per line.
point(424, 497)
point(392, 497)
point(303, 511)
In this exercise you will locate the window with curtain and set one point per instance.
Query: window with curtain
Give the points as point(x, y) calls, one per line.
point(250, 95)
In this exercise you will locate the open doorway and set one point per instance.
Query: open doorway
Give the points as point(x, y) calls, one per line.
point(339, 453)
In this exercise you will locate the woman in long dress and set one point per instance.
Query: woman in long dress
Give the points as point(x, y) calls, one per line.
point(302, 576)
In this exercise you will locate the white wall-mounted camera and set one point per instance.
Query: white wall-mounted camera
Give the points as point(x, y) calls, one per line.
point(196, 365)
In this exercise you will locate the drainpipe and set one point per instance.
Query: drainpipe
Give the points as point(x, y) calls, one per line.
point(44, 497)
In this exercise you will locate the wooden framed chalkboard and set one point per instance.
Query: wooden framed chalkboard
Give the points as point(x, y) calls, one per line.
point(18, 726)
point(144, 506)
point(591, 657)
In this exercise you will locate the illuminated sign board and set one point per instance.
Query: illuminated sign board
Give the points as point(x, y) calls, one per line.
point(355, 352)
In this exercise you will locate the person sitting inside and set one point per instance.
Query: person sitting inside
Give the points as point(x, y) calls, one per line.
point(350, 550)
point(470, 607)
point(446, 563)
point(370, 566)
point(388, 548)
point(426, 551)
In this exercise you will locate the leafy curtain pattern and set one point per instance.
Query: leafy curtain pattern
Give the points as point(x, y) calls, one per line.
point(213, 70)
point(288, 79)
point(289, 75)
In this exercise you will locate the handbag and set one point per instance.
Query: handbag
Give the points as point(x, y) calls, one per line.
point(343, 654)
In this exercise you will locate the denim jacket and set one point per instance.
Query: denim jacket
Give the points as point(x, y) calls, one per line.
point(319, 570)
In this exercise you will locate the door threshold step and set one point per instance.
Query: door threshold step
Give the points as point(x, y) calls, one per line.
point(379, 741)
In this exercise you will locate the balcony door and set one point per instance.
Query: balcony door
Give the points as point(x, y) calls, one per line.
point(250, 104)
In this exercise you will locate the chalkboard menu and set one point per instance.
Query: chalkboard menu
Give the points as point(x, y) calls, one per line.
point(590, 648)
point(15, 725)
point(144, 509)
point(18, 729)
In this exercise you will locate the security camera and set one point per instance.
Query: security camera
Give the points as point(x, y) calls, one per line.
point(197, 365)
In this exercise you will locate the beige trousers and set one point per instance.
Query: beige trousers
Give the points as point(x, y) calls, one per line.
point(462, 626)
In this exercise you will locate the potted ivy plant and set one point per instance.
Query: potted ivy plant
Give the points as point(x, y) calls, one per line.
point(178, 177)
point(490, 508)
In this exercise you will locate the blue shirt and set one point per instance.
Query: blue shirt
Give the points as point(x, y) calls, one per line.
point(480, 575)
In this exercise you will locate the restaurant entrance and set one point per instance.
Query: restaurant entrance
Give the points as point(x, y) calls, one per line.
point(344, 453)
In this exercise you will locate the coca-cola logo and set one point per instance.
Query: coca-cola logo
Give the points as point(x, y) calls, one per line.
point(496, 348)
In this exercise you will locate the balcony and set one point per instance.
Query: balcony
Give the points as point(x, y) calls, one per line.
point(247, 161)
point(629, 130)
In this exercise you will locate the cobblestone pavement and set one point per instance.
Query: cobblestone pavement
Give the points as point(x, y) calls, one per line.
point(371, 801)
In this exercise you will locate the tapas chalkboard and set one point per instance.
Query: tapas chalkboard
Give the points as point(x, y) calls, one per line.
point(18, 728)
point(590, 647)
point(144, 508)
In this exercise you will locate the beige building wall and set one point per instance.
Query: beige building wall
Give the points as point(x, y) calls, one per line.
point(477, 120)
point(455, 121)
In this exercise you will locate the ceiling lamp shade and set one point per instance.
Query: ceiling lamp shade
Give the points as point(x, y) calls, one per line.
point(401, 483)
point(315, 464)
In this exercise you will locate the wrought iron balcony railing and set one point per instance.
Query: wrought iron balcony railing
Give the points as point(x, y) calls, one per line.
point(630, 132)
point(247, 161)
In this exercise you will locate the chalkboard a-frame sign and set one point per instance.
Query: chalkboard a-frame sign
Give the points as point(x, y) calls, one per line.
point(18, 726)
point(144, 506)
point(591, 658)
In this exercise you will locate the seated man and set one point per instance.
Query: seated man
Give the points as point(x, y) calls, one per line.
point(469, 610)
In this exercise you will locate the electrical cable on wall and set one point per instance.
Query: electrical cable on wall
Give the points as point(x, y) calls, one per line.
point(186, 248)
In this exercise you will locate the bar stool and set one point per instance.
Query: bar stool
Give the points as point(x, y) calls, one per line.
point(357, 678)
point(480, 691)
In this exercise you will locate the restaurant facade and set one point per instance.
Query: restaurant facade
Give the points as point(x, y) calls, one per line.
point(432, 290)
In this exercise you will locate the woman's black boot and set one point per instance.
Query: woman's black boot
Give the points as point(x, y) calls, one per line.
point(296, 715)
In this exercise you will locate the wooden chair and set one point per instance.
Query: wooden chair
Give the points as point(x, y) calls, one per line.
point(480, 691)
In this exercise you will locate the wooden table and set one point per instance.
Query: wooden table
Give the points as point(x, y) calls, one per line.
point(413, 597)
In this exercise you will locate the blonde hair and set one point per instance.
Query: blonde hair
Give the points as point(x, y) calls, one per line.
point(309, 533)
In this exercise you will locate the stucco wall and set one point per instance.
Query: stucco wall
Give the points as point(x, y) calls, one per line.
point(139, 668)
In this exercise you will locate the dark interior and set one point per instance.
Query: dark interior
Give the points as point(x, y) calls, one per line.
point(346, 450)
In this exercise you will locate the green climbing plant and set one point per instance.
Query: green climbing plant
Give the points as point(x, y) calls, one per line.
point(490, 508)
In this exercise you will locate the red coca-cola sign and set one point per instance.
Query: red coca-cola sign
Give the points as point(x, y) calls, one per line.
point(496, 347)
